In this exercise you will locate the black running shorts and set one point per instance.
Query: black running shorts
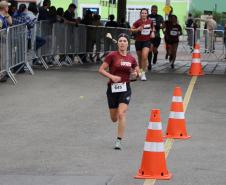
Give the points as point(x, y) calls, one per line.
point(139, 45)
point(156, 42)
point(114, 99)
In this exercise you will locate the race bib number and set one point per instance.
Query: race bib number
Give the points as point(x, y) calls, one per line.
point(145, 31)
point(118, 87)
point(173, 33)
point(154, 21)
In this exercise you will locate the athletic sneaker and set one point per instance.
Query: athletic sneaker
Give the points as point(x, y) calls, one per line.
point(118, 145)
point(143, 76)
point(172, 65)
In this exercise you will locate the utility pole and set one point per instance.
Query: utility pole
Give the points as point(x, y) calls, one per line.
point(121, 9)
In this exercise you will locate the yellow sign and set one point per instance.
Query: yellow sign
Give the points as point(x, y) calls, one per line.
point(167, 9)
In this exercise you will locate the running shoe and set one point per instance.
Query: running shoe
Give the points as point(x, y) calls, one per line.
point(172, 66)
point(118, 145)
point(143, 76)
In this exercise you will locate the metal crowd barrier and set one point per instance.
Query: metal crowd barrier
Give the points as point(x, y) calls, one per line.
point(96, 35)
point(212, 45)
point(14, 50)
point(69, 40)
point(3, 52)
point(186, 43)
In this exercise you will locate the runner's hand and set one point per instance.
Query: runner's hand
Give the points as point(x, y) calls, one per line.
point(133, 75)
point(140, 28)
point(116, 79)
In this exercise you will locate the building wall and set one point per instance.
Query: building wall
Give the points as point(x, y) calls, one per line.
point(181, 7)
point(211, 5)
point(61, 3)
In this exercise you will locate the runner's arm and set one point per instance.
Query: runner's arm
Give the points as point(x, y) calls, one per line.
point(103, 71)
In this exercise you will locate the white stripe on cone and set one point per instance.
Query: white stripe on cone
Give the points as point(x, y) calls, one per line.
point(155, 126)
point(176, 115)
point(196, 60)
point(153, 147)
point(196, 51)
point(177, 99)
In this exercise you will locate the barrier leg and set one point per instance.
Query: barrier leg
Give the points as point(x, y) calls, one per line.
point(57, 60)
point(12, 77)
point(29, 68)
point(68, 59)
point(78, 60)
point(44, 63)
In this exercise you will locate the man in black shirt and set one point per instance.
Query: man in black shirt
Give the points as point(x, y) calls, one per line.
point(69, 13)
point(158, 22)
point(43, 11)
point(111, 23)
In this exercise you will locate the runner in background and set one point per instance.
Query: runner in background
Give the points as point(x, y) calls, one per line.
point(121, 65)
point(155, 42)
point(144, 30)
point(172, 33)
point(166, 23)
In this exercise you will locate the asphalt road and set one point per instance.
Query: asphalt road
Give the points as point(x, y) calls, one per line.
point(55, 129)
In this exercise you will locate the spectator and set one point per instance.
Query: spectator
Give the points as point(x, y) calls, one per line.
point(69, 14)
point(21, 17)
point(96, 20)
point(52, 14)
point(13, 8)
point(88, 18)
point(60, 15)
point(190, 31)
point(123, 23)
point(43, 11)
point(211, 26)
point(32, 13)
point(196, 26)
point(94, 37)
point(4, 8)
point(111, 23)
point(205, 32)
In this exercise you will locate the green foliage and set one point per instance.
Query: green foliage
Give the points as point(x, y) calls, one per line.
point(219, 17)
point(196, 13)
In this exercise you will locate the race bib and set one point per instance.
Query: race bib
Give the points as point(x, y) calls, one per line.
point(173, 33)
point(118, 87)
point(154, 21)
point(145, 31)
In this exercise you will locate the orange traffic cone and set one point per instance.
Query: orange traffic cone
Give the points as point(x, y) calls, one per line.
point(176, 127)
point(196, 66)
point(153, 165)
